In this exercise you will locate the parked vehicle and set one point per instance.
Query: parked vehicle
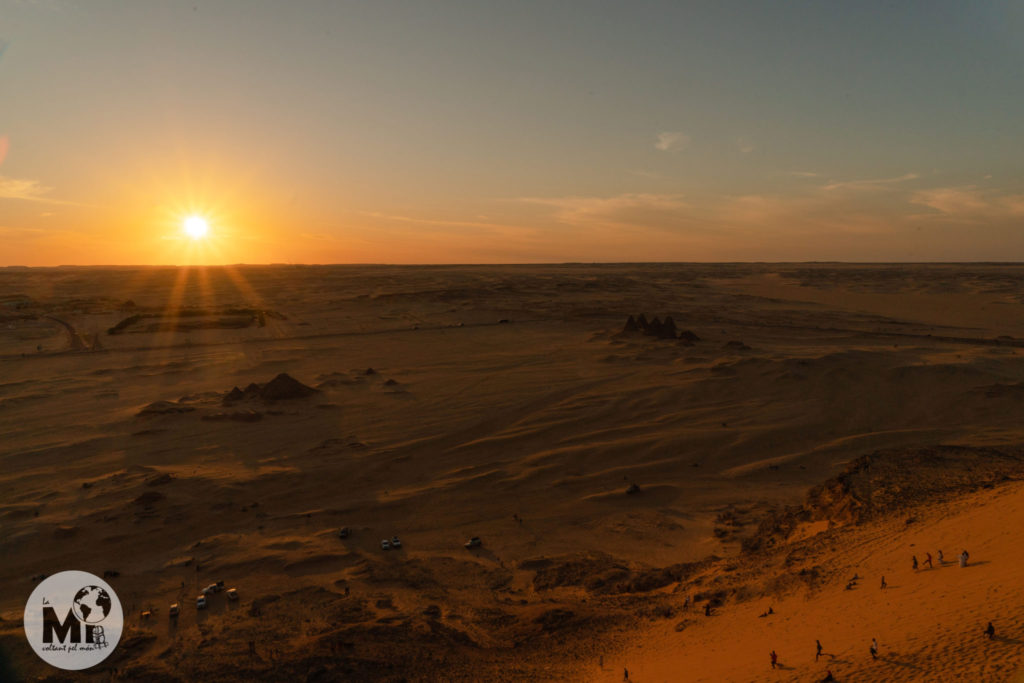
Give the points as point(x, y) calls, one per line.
point(344, 532)
point(473, 542)
point(232, 594)
point(385, 544)
point(175, 610)
point(201, 602)
point(395, 543)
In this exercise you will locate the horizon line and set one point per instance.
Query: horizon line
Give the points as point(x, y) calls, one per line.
point(508, 263)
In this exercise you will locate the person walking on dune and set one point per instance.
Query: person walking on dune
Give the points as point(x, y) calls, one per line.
point(963, 558)
point(928, 560)
point(941, 560)
point(874, 649)
point(625, 674)
point(883, 582)
point(818, 653)
point(775, 659)
point(990, 631)
point(915, 562)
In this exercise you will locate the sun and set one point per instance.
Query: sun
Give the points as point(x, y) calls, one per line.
point(195, 227)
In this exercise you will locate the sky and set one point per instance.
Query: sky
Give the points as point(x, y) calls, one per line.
point(510, 131)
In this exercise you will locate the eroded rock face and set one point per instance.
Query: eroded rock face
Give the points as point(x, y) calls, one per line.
point(890, 480)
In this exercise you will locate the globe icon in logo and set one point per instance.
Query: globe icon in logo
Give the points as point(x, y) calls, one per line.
point(91, 604)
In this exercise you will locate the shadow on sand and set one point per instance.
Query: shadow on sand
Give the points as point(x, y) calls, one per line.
point(1008, 641)
point(899, 662)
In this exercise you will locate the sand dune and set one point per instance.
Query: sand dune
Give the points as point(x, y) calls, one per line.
point(410, 409)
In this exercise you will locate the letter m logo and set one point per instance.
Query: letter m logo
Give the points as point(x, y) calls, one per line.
point(51, 625)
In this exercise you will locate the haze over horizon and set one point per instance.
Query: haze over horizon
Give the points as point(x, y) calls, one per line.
point(467, 132)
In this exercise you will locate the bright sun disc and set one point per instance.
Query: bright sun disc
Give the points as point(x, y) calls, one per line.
point(196, 227)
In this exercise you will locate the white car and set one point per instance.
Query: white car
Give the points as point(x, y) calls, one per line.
point(175, 609)
point(209, 590)
point(201, 602)
point(232, 594)
point(395, 543)
point(385, 544)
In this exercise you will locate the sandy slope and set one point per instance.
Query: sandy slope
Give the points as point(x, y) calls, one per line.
point(928, 623)
point(468, 425)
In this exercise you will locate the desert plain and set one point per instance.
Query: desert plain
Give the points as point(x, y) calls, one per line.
point(799, 425)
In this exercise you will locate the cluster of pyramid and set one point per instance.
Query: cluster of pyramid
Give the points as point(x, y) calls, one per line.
point(662, 329)
point(282, 387)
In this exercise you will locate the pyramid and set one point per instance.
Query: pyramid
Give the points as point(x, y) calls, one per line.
point(233, 395)
point(283, 387)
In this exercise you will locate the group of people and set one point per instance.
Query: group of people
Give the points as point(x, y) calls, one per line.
point(989, 631)
point(964, 556)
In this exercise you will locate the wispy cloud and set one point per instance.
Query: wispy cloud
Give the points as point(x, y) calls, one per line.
point(437, 222)
point(744, 146)
point(649, 175)
point(804, 174)
point(22, 188)
point(29, 190)
point(18, 231)
point(623, 209)
point(868, 184)
point(672, 141)
point(971, 203)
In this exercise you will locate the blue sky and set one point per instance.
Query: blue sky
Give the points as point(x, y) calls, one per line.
point(511, 131)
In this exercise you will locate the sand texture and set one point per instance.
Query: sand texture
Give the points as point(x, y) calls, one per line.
point(791, 427)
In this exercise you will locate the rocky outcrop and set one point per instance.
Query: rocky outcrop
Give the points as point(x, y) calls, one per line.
point(891, 480)
point(688, 337)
